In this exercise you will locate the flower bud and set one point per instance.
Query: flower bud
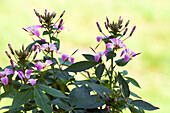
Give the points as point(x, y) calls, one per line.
point(35, 55)
point(53, 14)
point(127, 23)
point(107, 20)
point(40, 20)
point(17, 52)
point(125, 31)
point(8, 54)
point(22, 47)
point(105, 25)
point(132, 30)
point(36, 13)
point(10, 47)
point(62, 14)
point(115, 99)
point(60, 24)
point(12, 63)
point(98, 26)
point(126, 99)
point(107, 109)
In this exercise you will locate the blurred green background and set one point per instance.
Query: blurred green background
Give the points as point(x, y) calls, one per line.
point(151, 38)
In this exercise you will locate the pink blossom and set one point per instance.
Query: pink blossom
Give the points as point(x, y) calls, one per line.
point(100, 54)
point(33, 30)
point(4, 74)
point(115, 43)
point(40, 65)
point(55, 26)
point(128, 54)
point(107, 109)
point(101, 37)
point(27, 76)
point(48, 47)
point(66, 57)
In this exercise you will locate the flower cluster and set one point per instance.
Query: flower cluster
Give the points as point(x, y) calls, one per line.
point(49, 83)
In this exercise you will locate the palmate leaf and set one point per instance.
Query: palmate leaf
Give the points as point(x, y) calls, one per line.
point(77, 94)
point(99, 89)
point(99, 70)
point(42, 100)
point(121, 62)
point(89, 57)
point(90, 102)
point(22, 97)
point(143, 105)
point(61, 103)
point(51, 91)
point(125, 87)
point(133, 81)
point(80, 66)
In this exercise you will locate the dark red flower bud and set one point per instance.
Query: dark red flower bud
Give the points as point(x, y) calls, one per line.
point(127, 23)
point(132, 30)
point(98, 26)
point(10, 47)
point(62, 14)
point(125, 31)
point(8, 54)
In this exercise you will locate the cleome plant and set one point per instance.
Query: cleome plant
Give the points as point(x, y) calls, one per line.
point(41, 79)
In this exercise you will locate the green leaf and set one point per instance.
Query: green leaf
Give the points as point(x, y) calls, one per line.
point(143, 105)
point(45, 33)
point(89, 57)
point(90, 102)
point(54, 39)
point(110, 55)
point(99, 89)
point(80, 66)
point(61, 103)
point(133, 81)
point(52, 91)
point(135, 95)
point(125, 72)
point(5, 94)
point(133, 110)
point(99, 70)
point(22, 97)
point(125, 87)
point(121, 62)
point(25, 86)
point(77, 94)
point(42, 100)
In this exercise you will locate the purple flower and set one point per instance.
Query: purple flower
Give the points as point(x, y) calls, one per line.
point(100, 54)
point(27, 77)
point(33, 30)
point(107, 109)
point(66, 57)
point(101, 37)
point(128, 54)
point(55, 26)
point(48, 47)
point(115, 43)
point(4, 74)
point(40, 65)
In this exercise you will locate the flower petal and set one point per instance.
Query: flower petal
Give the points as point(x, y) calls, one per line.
point(28, 73)
point(122, 53)
point(32, 81)
point(36, 32)
point(64, 57)
point(21, 74)
point(109, 45)
point(97, 57)
point(4, 80)
point(48, 62)
point(39, 65)
point(8, 71)
point(126, 58)
point(99, 38)
point(72, 60)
